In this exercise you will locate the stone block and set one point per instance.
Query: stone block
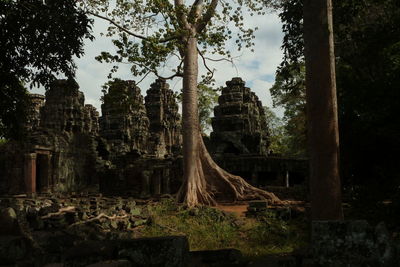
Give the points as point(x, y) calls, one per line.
point(352, 243)
point(8, 222)
point(171, 251)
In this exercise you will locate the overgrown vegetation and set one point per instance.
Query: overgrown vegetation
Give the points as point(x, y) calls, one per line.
point(209, 228)
point(368, 69)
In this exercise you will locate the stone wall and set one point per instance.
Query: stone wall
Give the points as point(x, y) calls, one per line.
point(165, 126)
point(37, 103)
point(140, 140)
point(124, 123)
point(239, 125)
point(64, 107)
point(61, 154)
point(91, 120)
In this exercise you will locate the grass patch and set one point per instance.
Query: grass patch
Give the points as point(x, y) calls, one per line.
point(208, 228)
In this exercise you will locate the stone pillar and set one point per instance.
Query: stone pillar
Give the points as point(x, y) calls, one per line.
point(30, 173)
point(166, 179)
point(45, 172)
point(145, 183)
point(287, 184)
point(157, 182)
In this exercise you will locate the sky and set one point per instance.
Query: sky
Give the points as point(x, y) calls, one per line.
point(256, 68)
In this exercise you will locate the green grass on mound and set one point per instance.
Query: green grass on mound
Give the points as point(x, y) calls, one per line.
point(208, 228)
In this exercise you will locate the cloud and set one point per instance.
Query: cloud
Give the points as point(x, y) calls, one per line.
point(257, 69)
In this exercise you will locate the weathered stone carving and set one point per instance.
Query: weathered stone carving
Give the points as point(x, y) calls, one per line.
point(124, 123)
point(64, 107)
point(91, 120)
point(239, 125)
point(165, 129)
point(34, 119)
point(61, 155)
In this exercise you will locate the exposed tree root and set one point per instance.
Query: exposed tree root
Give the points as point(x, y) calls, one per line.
point(211, 183)
point(59, 212)
point(98, 217)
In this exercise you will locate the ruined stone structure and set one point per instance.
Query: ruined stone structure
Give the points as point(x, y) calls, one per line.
point(134, 148)
point(162, 110)
point(239, 125)
point(60, 154)
point(124, 123)
point(139, 140)
point(240, 140)
point(37, 104)
point(91, 120)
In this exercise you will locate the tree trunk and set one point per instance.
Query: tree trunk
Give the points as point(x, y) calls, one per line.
point(322, 118)
point(205, 182)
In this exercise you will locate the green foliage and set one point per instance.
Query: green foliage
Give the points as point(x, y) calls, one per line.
point(289, 92)
point(277, 132)
point(15, 108)
point(209, 228)
point(149, 33)
point(3, 141)
point(207, 99)
point(37, 40)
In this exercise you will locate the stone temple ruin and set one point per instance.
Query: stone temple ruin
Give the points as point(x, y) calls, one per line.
point(240, 140)
point(134, 148)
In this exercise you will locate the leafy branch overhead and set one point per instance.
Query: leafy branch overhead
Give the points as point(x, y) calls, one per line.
point(151, 34)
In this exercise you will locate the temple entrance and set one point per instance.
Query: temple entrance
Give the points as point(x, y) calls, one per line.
point(42, 172)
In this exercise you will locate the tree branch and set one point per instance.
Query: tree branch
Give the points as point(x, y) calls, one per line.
point(117, 25)
point(178, 73)
point(196, 10)
point(182, 19)
point(141, 80)
point(200, 26)
point(129, 32)
point(205, 64)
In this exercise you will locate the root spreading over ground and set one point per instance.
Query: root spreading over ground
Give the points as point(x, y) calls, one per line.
point(209, 184)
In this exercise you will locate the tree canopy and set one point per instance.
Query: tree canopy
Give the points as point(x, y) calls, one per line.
point(38, 40)
point(148, 34)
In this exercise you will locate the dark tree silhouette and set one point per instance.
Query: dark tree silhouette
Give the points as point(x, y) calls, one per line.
point(322, 118)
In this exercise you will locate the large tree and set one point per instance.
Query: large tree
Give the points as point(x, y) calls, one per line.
point(149, 33)
point(38, 40)
point(322, 118)
point(367, 68)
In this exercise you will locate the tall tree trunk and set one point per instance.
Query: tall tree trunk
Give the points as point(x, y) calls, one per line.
point(204, 180)
point(322, 118)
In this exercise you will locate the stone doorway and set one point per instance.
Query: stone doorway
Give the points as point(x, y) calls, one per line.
point(42, 172)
